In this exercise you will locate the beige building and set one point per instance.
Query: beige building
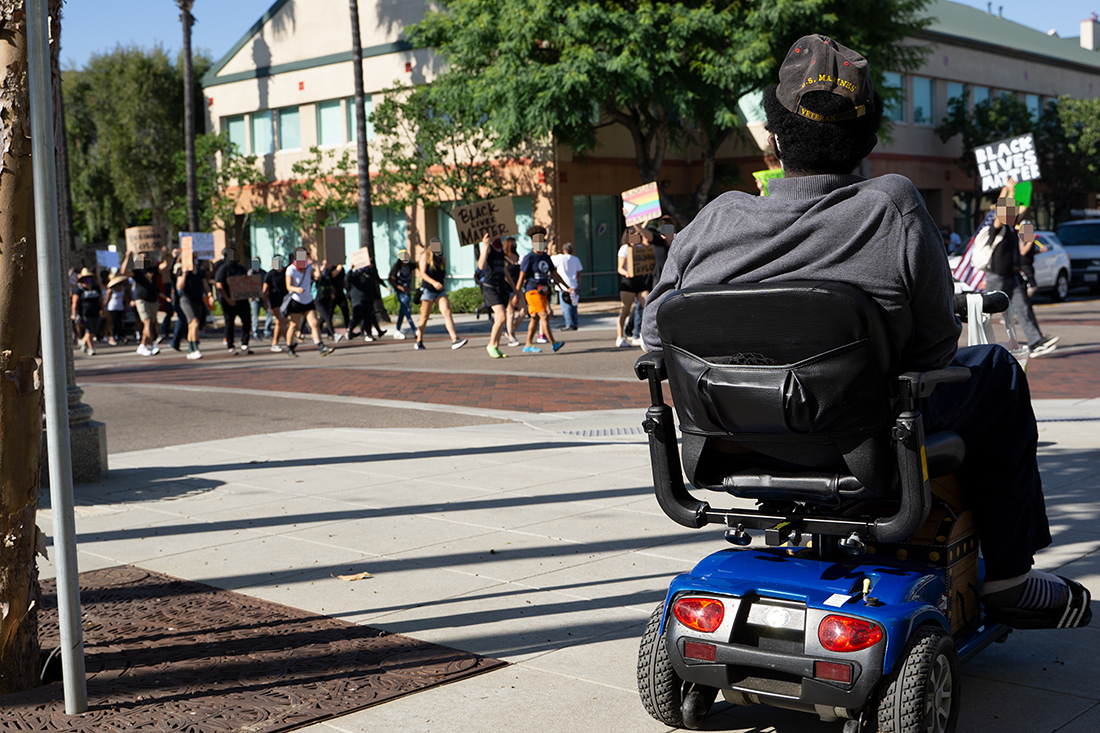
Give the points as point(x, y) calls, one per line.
point(286, 86)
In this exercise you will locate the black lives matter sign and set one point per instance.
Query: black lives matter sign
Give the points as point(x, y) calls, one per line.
point(1013, 157)
point(495, 217)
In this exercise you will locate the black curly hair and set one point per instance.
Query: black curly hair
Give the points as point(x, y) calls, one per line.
point(808, 147)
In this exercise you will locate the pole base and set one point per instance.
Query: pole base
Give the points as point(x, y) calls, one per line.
point(88, 442)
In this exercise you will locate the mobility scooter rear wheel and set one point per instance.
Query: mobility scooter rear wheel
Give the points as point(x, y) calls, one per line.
point(922, 693)
point(665, 696)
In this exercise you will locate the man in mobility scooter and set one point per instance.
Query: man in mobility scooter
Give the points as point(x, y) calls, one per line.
point(809, 340)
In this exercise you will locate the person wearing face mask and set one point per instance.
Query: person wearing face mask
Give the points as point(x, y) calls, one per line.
point(401, 281)
point(496, 288)
point(274, 296)
point(233, 309)
point(536, 272)
point(433, 274)
point(516, 309)
point(299, 283)
point(192, 287)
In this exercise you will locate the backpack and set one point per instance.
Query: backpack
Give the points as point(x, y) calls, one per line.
point(985, 243)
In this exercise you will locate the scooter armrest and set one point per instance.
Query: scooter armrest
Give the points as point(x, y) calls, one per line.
point(921, 384)
point(648, 360)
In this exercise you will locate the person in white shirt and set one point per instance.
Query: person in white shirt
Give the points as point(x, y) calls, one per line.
point(569, 267)
point(299, 283)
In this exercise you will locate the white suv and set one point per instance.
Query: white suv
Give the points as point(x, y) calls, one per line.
point(1082, 242)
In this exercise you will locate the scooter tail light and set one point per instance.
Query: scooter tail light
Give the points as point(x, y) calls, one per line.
point(846, 634)
point(700, 614)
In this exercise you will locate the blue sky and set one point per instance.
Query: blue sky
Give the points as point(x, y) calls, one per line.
point(91, 26)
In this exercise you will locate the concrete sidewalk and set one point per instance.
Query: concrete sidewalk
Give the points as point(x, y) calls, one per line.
point(538, 542)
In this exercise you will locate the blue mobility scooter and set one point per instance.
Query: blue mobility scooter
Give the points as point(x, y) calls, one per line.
point(865, 598)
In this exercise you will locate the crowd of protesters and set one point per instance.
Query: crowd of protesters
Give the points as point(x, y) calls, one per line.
point(290, 301)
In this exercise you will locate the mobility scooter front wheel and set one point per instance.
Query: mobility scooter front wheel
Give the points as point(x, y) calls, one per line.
point(922, 693)
point(665, 696)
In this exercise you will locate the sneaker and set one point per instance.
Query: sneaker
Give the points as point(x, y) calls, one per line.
point(324, 350)
point(336, 338)
point(83, 347)
point(540, 339)
point(368, 339)
point(91, 352)
point(276, 349)
point(399, 335)
point(194, 355)
point(621, 343)
point(232, 351)
point(292, 350)
point(636, 341)
point(156, 343)
point(459, 343)
point(494, 352)
point(143, 350)
point(246, 350)
point(557, 346)
point(1044, 346)
point(155, 350)
point(532, 350)
point(418, 346)
point(513, 341)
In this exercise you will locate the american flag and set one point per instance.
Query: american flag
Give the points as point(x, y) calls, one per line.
point(972, 277)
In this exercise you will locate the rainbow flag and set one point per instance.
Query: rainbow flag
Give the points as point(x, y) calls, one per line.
point(641, 204)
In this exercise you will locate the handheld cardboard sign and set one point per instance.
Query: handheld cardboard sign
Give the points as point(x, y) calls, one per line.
point(1013, 157)
point(495, 217)
point(144, 239)
point(641, 204)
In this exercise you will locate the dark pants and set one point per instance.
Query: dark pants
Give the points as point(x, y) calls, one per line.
point(181, 324)
point(1000, 474)
point(362, 314)
point(239, 310)
point(324, 316)
point(341, 305)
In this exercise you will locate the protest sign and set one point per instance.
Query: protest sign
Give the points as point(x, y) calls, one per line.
point(202, 244)
point(359, 258)
point(106, 259)
point(334, 246)
point(495, 217)
point(245, 286)
point(219, 245)
point(1023, 193)
point(640, 260)
point(641, 204)
point(187, 252)
point(764, 177)
point(1013, 157)
point(144, 239)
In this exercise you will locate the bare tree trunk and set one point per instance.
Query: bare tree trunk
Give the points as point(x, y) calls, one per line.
point(20, 396)
point(189, 117)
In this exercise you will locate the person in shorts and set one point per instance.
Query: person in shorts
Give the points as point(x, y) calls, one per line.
point(192, 286)
point(274, 295)
point(433, 290)
point(536, 272)
point(516, 310)
point(496, 288)
point(631, 289)
point(143, 269)
point(87, 309)
point(299, 283)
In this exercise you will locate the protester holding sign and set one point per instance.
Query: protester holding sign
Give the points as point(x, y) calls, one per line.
point(536, 272)
point(193, 288)
point(636, 280)
point(433, 273)
point(299, 283)
point(143, 270)
point(234, 307)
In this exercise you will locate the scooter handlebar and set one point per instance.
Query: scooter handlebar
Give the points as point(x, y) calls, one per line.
point(995, 302)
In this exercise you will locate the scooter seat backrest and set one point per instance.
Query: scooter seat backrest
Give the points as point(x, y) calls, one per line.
point(795, 370)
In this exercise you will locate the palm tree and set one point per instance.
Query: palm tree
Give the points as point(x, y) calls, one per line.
point(189, 116)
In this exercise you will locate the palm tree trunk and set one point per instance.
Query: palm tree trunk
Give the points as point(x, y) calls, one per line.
point(189, 117)
point(20, 396)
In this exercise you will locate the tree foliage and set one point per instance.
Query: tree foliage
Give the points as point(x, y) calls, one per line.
point(124, 120)
point(1067, 141)
point(323, 193)
point(671, 73)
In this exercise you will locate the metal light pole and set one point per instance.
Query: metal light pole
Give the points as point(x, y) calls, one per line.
point(50, 302)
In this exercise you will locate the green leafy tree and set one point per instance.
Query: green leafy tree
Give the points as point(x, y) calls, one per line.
point(323, 193)
point(124, 119)
point(670, 73)
point(435, 150)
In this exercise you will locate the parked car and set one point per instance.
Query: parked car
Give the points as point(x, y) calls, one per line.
point(1082, 242)
point(1053, 268)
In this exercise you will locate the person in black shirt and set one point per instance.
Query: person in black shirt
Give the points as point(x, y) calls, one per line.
point(497, 287)
point(143, 268)
point(339, 297)
point(255, 304)
point(275, 293)
point(87, 304)
point(192, 287)
point(401, 278)
point(361, 285)
point(233, 308)
point(324, 300)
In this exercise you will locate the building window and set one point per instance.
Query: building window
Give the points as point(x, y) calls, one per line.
point(955, 90)
point(237, 131)
point(330, 123)
point(895, 110)
point(263, 139)
point(1005, 94)
point(922, 101)
point(290, 133)
point(368, 108)
point(980, 94)
point(1032, 102)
